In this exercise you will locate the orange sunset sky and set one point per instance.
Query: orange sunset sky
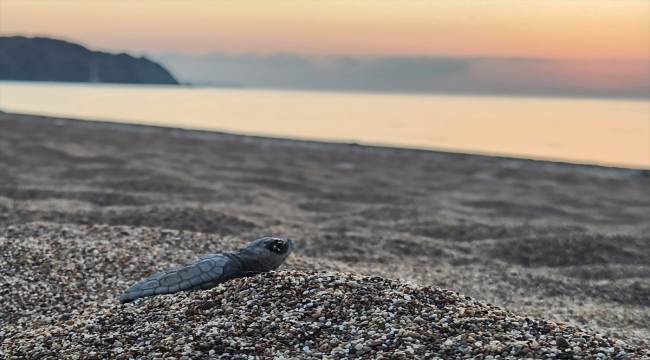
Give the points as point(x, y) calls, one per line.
point(578, 30)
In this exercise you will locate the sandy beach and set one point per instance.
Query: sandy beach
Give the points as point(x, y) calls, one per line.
point(88, 208)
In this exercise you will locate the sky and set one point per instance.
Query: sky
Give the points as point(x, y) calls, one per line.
point(597, 46)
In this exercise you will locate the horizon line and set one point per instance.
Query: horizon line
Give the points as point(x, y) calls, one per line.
point(311, 57)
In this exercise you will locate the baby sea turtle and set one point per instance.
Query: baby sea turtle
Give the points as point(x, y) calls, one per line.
point(261, 255)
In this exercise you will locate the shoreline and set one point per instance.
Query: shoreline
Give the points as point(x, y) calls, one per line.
point(204, 134)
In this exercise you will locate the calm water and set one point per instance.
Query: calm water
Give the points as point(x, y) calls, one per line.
point(609, 132)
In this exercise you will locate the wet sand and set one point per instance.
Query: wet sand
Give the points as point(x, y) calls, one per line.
point(563, 242)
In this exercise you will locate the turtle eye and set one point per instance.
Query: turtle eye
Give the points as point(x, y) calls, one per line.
point(277, 246)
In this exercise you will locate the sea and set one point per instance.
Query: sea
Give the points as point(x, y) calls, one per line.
point(609, 132)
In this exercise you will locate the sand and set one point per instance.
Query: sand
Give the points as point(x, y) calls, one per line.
point(88, 208)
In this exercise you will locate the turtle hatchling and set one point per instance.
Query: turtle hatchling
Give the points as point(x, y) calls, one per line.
point(260, 256)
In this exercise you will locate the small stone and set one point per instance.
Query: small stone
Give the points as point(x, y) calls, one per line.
point(561, 342)
point(206, 305)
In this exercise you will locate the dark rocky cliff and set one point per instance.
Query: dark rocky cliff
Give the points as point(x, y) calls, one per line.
point(44, 59)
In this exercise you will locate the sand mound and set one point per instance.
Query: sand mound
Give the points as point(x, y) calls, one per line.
point(60, 285)
point(294, 314)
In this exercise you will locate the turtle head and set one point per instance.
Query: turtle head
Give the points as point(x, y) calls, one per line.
point(267, 253)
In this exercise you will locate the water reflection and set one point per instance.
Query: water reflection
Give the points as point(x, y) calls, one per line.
point(610, 132)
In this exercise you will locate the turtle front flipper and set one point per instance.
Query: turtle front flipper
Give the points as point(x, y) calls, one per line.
point(204, 273)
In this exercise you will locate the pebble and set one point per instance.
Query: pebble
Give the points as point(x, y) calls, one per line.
point(561, 342)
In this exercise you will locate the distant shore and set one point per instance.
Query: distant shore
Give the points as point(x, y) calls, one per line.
point(547, 240)
point(47, 59)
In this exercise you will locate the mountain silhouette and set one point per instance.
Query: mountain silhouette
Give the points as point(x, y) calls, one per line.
point(45, 59)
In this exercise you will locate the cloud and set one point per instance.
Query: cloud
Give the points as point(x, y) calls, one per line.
point(489, 76)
